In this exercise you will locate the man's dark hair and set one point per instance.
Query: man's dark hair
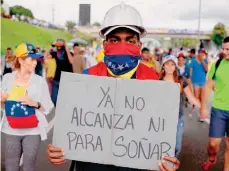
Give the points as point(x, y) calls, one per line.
point(9, 48)
point(226, 39)
point(76, 44)
point(122, 29)
point(145, 49)
point(181, 48)
point(193, 51)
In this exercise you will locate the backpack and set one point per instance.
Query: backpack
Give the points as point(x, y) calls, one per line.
point(216, 67)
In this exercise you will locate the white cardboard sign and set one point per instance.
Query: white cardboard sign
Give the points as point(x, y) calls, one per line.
point(122, 122)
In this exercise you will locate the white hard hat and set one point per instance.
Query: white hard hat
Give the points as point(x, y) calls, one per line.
point(170, 58)
point(122, 16)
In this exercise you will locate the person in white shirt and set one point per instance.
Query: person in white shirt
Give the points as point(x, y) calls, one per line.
point(26, 99)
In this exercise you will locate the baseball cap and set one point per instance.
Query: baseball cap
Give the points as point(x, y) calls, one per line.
point(170, 58)
point(222, 55)
point(202, 50)
point(109, 30)
point(59, 42)
point(24, 50)
point(180, 55)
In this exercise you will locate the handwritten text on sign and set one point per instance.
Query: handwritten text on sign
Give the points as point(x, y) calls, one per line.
point(128, 123)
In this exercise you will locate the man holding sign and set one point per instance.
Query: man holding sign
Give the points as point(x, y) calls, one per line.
point(122, 32)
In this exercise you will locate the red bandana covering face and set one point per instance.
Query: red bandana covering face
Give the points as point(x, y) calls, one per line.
point(121, 58)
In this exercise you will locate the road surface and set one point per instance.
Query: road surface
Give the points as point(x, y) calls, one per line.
point(193, 154)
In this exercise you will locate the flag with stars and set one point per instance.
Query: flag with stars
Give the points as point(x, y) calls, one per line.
point(121, 58)
point(18, 114)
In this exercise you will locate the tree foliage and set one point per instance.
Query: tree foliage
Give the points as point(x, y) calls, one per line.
point(97, 24)
point(218, 34)
point(70, 25)
point(20, 10)
point(185, 42)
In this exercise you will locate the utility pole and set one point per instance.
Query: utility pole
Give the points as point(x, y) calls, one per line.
point(53, 14)
point(199, 22)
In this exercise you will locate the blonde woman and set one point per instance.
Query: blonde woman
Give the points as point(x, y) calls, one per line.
point(27, 101)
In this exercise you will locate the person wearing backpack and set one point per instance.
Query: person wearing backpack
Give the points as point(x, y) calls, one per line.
point(219, 124)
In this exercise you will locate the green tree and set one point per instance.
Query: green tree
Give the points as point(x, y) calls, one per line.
point(70, 26)
point(218, 34)
point(97, 24)
point(20, 10)
point(2, 2)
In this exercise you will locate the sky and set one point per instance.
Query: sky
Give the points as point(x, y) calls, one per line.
point(171, 14)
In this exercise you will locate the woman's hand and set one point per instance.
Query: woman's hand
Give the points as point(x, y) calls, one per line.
point(164, 167)
point(204, 113)
point(27, 101)
point(55, 155)
point(4, 97)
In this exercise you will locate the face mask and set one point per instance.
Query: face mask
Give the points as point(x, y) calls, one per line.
point(121, 58)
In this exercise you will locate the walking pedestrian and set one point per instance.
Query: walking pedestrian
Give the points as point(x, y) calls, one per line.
point(170, 73)
point(27, 101)
point(218, 80)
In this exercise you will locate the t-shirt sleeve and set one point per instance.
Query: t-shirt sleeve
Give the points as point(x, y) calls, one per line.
point(185, 84)
point(212, 71)
point(205, 61)
point(85, 72)
point(191, 64)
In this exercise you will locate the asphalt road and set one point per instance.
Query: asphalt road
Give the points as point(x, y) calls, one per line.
point(194, 151)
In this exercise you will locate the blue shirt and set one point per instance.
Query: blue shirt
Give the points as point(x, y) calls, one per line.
point(188, 61)
point(198, 71)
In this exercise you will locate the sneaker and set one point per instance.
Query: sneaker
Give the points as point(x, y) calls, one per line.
point(207, 165)
point(207, 120)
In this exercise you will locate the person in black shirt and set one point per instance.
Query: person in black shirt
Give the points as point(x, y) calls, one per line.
point(64, 60)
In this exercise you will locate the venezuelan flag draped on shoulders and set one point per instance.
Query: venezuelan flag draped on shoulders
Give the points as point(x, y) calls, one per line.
point(122, 60)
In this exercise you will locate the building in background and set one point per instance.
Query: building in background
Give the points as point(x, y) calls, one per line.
point(6, 9)
point(84, 14)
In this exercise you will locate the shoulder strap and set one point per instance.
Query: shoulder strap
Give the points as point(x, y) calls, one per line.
point(216, 67)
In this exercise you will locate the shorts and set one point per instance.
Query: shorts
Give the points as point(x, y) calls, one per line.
point(219, 125)
point(198, 85)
